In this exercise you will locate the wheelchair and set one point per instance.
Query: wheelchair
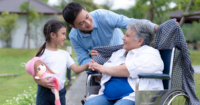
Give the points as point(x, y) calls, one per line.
point(172, 81)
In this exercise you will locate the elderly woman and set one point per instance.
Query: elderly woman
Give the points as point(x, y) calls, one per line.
point(121, 70)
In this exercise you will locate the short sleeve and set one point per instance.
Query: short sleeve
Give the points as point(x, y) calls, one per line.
point(70, 61)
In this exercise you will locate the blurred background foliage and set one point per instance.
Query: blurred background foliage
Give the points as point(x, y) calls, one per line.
point(157, 11)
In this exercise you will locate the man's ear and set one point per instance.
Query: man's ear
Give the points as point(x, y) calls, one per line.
point(72, 26)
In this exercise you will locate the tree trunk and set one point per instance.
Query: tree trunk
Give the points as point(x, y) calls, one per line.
point(151, 18)
point(147, 13)
point(28, 34)
point(27, 29)
point(183, 17)
point(154, 6)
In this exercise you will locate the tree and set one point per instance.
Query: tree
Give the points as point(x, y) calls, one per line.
point(36, 31)
point(189, 6)
point(7, 27)
point(88, 4)
point(107, 4)
point(62, 4)
point(31, 15)
point(192, 31)
point(155, 10)
point(45, 1)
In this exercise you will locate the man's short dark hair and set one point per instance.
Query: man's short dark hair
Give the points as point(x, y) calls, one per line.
point(71, 11)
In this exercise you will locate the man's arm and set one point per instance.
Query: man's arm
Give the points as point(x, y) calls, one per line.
point(81, 53)
point(121, 21)
point(155, 28)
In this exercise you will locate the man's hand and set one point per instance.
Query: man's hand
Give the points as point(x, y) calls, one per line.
point(155, 28)
point(93, 53)
point(45, 82)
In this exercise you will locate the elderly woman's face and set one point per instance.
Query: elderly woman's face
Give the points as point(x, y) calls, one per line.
point(130, 41)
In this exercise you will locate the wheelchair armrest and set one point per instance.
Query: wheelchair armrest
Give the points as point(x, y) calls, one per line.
point(154, 76)
point(88, 82)
point(151, 76)
point(92, 72)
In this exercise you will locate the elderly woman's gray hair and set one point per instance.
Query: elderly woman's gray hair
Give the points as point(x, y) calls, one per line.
point(142, 30)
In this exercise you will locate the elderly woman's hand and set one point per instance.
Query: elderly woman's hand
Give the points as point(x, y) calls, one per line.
point(97, 67)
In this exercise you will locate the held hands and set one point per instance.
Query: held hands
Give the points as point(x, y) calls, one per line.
point(97, 67)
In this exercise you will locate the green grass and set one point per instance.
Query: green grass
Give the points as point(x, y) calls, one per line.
point(197, 84)
point(13, 86)
point(10, 63)
point(12, 58)
point(195, 57)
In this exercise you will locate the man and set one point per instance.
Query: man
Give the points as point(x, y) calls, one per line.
point(97, 28)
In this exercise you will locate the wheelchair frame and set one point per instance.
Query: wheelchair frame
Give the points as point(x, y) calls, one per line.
point(145, 97)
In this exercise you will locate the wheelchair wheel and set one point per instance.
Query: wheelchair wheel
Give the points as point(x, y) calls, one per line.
point(175, 97)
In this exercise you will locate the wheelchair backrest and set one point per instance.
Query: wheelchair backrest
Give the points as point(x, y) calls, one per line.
point(167, 56)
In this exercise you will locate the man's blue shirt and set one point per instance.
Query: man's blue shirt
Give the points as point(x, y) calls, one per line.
point(106, 32)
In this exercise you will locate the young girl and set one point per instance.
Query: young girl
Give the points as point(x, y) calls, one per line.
point(56, 59)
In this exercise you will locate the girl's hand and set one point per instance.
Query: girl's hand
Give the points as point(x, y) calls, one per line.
point(90, 66)
point(48, 83)
point(97, 67)
point(56, 72)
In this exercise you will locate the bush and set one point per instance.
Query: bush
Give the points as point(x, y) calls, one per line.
point(26, 98)
point(7, 27)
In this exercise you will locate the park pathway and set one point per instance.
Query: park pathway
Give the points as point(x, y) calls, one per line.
point(196, 69)
point(77, 91)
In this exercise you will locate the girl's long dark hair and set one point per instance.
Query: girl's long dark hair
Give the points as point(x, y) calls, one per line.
point(50, 26)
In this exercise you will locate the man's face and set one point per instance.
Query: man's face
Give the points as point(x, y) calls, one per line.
point(84, 21)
